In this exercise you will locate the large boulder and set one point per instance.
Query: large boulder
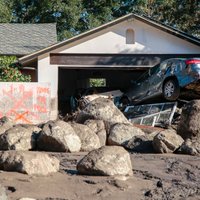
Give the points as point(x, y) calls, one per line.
point(5, 124)
point(189, 126)
point(120, 133)
point(89, 140)
point(99, 128)
point(167, 141)
point(28, 162)
point(191, 147)
point(102, 109)
point(107, 161)
point(17, 138)
point(58, 136)
point(140, 144)
point(3, 195)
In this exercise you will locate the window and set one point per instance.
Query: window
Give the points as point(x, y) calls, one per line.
point(97, 82)
point(130, 36)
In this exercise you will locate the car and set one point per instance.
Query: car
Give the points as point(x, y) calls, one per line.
point(167, 79)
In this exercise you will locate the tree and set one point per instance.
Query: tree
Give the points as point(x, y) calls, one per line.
point(5, 11)
point(65, 13)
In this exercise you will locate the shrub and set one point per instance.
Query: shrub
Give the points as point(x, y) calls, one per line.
point(10, 71)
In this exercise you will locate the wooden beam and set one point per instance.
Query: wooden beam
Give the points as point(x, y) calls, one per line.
point(95, 60)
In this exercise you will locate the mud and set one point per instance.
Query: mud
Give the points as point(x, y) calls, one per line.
point(156, 176)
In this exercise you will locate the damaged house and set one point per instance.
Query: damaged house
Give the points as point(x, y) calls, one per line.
point(118, 52)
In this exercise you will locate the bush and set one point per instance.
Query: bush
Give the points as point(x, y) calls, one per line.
point(10, 71)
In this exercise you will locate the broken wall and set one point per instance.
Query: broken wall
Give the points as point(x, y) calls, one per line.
point(25, 103)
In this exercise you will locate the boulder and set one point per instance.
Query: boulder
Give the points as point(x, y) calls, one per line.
point(191, 147)
point(28, 162)
point(121, 133)
point(98, 127)
point(35, 129)
point(5, 124)
point(189, 126)
point(102, 109)
point(3, 195)
point(58, 136)
point(89, 140)
point(140, 144)
point(167, 141)
point(17, 138)
point(106, 161)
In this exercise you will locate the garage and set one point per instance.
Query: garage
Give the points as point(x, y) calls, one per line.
point(118, 52)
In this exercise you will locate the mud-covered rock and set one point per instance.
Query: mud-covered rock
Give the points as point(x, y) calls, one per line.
point(58, 136)
point(167, 141)
point(28, 162)
point(121, 133)
point(102, 109)
point(189, 126)
point(17, 138)
point(5, 124)
point(190, 147)
point(98, 127)
point(106, 161)
point(89, 140)
point(140, 144)
point(3, 195)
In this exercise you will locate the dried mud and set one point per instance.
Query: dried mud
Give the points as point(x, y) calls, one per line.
point(156, 176)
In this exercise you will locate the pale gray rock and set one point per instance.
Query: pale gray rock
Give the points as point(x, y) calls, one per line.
point(28, 162)
point(3, 195)
point(106, 161)
point(102, 109)
point(58, 136)
point(189, 126)
point(99, 128)
point(140, 144)
point(121, 133)
point(167, 141)
point(190, 147)
point(17, 138)
point(89, 140)
point(5, 124)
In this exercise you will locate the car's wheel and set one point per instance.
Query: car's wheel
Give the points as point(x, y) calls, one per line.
point(171, 89)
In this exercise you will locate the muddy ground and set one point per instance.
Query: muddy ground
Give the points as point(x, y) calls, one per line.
point(156, 176)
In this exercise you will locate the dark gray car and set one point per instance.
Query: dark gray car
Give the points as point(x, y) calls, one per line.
point(166, 79)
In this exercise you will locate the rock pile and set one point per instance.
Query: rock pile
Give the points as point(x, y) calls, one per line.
point(102, 130)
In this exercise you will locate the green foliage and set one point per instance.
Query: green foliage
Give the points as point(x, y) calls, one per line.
point(97, 82)
point(5, 11)
point(9, 72)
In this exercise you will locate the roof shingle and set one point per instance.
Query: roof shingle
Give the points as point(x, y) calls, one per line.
point(22, 39)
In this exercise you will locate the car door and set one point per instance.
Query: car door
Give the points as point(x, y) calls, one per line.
point(183, 74)
point(156, 78)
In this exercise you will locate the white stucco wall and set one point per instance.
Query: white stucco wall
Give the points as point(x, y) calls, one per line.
point(113, 40)
point(148, 39)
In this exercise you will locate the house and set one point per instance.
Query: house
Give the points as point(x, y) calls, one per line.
point(22, 39)
point(118, 51)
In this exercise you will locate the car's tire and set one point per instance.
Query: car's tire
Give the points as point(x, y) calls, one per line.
point(171, 89)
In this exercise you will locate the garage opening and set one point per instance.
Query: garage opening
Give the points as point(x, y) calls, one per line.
point(72, 82)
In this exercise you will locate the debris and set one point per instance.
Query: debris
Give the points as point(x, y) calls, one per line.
point(159, 114)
